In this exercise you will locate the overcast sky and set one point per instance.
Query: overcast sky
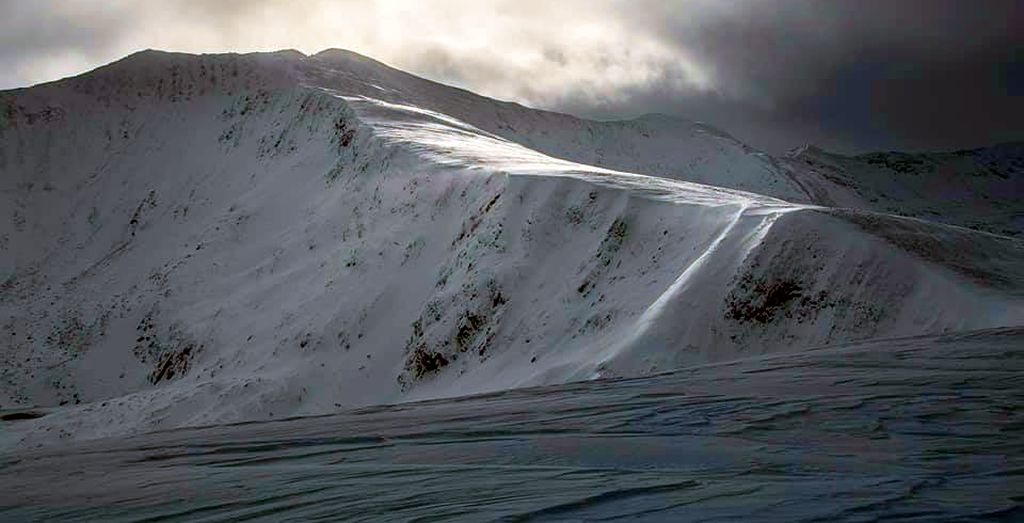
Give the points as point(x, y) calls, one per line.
point(850, 75)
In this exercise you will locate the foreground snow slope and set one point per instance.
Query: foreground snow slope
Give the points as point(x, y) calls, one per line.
point(919, 429)
point(195, 240)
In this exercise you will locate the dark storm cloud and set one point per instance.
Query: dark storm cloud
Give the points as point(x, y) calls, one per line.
point(866, 74)
point(29, 29)
point(852, 75)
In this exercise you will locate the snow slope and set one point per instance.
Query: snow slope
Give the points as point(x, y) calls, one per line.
point(919, 429)
point(982, 189)
point(657, 145)
point(206, 239)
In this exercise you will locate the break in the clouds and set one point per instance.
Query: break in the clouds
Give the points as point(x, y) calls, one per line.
point(851, 75)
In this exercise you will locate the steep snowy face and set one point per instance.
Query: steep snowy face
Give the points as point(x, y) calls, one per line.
point(656, 145)
point(192, 240)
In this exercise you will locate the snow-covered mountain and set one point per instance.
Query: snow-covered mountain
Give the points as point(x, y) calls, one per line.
point(202, 239)
point(981, 188)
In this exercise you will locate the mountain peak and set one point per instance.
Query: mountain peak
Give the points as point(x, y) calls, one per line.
point(350, 60)
point(336, 53)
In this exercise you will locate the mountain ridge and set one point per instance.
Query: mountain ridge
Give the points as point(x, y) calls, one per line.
point(246, 237)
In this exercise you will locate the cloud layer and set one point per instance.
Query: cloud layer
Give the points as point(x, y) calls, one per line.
point(851, 75)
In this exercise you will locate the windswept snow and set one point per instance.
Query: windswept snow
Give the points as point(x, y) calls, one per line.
point(199, 240)
point(922, 429)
